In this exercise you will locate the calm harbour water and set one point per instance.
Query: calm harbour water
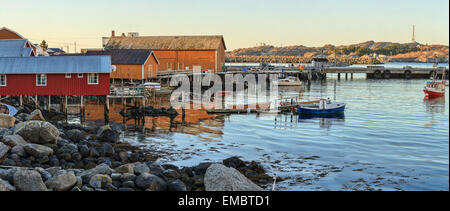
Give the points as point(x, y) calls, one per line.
point(390, 138)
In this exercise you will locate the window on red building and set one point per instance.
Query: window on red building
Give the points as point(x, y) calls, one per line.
point(41, 80)
point(93, 78)
point(2, 80)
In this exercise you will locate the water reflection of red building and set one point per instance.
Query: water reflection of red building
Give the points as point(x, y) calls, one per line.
point(197, 121)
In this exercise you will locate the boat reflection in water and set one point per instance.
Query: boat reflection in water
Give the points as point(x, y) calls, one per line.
point(325, 120)
point(435, 105)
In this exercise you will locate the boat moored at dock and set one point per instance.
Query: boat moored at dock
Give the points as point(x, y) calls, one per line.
point(434, 89)
point(324, 107)
point(289, 81)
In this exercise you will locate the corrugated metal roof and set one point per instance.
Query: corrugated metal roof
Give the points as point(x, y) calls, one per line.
point(14, 48)
point(124, 56)
point(167, 42)
point(55, 64)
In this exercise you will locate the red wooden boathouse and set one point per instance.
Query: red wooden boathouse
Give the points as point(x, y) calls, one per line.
point(71, 75)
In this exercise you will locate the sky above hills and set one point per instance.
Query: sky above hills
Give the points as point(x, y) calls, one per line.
point(243, 23)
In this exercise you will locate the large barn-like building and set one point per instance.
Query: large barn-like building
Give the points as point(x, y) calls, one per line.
point(177, 53)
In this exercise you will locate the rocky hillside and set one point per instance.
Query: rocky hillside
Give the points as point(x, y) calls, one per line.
point(356, 53)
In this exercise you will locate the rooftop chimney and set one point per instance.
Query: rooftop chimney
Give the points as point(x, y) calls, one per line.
point(113, 33)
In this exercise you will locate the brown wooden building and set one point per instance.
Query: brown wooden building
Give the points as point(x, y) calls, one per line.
point(8, 34)
point(178, 53)
point(131, 64)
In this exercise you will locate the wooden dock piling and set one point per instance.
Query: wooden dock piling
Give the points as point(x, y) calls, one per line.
point(106, 112)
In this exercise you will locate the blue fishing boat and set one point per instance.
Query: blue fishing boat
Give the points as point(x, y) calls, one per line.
point(324, 107)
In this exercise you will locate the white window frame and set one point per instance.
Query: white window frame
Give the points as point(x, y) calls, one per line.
point(80, 75)
point(37, 79)
point(68, 75)
point(89, 78)
point(1, 76)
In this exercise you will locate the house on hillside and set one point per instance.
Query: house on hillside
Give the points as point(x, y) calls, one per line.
point(177, 53)
point(131, 64)
point(319, 62)
point(55, 75)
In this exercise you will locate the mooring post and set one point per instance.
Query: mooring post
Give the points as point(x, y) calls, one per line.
point(309, 76)
point(124, 108)
point(183, 117)
point(21, 101)
point(346, 76)
point(351, 76)
point(81, 109)
point(49, 103)
point(143, 111)
point(65, 108)
point(106, 112)
point(339, 76)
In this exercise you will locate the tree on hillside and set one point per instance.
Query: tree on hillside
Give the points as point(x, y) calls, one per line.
point(44, 45)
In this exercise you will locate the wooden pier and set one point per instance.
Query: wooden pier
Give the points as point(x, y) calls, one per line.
point(372, 72)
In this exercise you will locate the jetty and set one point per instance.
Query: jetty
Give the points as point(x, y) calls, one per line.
point(372, 72)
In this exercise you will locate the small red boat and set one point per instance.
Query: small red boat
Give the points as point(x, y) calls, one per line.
point(434, 89)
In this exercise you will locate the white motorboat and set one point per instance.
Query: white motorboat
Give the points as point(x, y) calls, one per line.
point(151, 85)
point(289, 81)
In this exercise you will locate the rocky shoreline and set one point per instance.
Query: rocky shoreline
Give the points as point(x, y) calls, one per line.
point(40, 155)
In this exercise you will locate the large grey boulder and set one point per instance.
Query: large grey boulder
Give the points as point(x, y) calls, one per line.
point(62, 182)
point(36, 115)
point(100, 180)
point(6, 121)
point(5, 186)
point(38, 151)
point(147, 181)
point(38, 132)
point(100, 169)
point(14, 140)
point(221, 178)
point(177, 185)
point(6, 174)
point(28, 180)
point(75, 135)
point(5, 132)
point(3, 150)
point(126, 168)
point(18, 150)
point(140, 168)
point(107, 134)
